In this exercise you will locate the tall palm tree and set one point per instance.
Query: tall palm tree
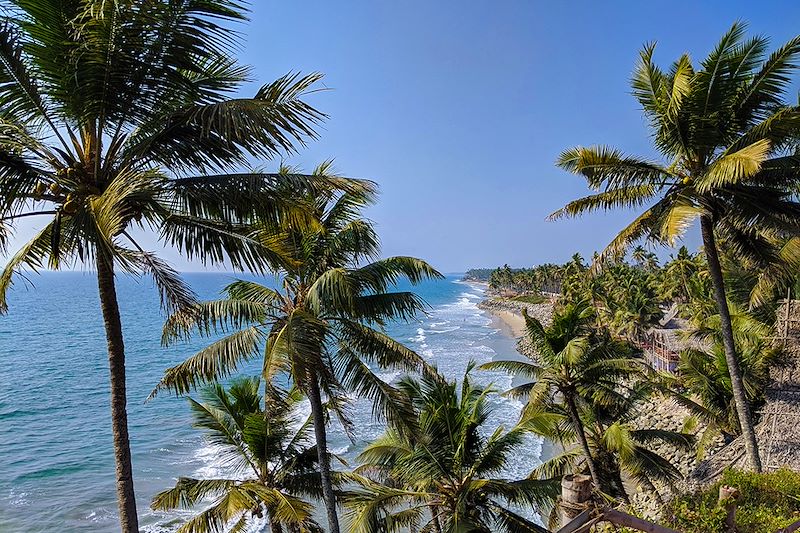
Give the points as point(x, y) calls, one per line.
point(322, 326)
point(572, 365)
point(269, 450)
point(104, 104)
point(723, 130)
point(622, 450)
point(447, 476)
point(703, 378)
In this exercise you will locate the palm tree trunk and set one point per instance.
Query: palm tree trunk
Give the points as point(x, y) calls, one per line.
point(318, 415)
point(437, 525)
point(737, 384)
point(126, 499)
point(274, 525)
point(576, 423)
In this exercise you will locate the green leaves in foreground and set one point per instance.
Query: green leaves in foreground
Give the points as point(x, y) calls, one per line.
point(448, 476)
point(269, 450)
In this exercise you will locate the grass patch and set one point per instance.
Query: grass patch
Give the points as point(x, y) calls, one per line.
point(768, 502)
point(532, 299)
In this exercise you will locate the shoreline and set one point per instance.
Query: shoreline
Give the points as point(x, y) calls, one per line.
point(659, 412)
point(511, 323)
point(506, 316)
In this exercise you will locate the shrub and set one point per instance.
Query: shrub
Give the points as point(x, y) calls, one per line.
point(532, 299)
point(768, 502)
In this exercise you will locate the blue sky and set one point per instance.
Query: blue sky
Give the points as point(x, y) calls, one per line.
point(458, 109)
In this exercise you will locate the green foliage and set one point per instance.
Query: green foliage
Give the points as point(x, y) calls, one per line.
point(768, 502)
point(481, 274)
point(323, 327)
point(542, 278)
point(323, 323)
point(92, 141)
point(726, 138)
point(112, 116)
point(575, 395)
point(532, 299)
point(447, 476)
point(271, 452)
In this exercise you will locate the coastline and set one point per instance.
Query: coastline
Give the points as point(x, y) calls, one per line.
point(659, 412)
point(506, 316)
point(511, 323)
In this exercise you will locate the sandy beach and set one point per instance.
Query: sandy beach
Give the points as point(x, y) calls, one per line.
point(512, 324)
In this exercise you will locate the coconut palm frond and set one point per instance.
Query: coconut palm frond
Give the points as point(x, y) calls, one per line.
point(444, 462)
point(735, 167)
point(273, 121)
point(623, 197)
point(605, 165)
point(527, 370)
point(512, 522)
point(383, 274)
point(33, 255)
point(216, 361)
point(187, 492)
point(388, 403)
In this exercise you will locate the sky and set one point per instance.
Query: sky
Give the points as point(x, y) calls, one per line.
point(459, 109)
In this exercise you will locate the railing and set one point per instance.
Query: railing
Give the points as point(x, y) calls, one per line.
point(658, 354)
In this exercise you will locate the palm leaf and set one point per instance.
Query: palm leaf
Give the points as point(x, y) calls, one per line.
point(214, 362)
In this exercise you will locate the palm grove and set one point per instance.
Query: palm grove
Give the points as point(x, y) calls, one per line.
point(120, 118)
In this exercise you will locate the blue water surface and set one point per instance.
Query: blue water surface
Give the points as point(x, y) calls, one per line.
point(56, 462)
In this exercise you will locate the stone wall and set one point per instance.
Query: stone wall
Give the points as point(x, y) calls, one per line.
point(664, 413)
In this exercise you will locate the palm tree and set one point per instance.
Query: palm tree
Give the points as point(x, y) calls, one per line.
point(621, 448)
point(629, 302)
point(635, 312)
point(723, 131)
point(322, 326)
point(639, 255)
point(104, 103)
point(703, 377)
point(677, 273)
point(573, 365)
point(266, 448)
point(446, 476)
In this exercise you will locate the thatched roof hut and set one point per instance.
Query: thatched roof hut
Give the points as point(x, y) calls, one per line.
point(663, 344)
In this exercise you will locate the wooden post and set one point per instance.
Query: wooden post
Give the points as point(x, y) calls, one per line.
point(788, 315)
point(623, 519)
point(576, 491)
point(727, 500)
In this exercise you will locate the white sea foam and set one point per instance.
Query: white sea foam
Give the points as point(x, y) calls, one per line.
point(102, 514)
point(340, 450)
point(388, 377)
point(446, 330)
point(18, 498)
point(454, 333)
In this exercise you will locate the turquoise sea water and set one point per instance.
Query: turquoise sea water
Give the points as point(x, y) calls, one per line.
point(56, 464)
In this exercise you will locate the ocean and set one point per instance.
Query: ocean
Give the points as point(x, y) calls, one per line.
point(56, 462)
